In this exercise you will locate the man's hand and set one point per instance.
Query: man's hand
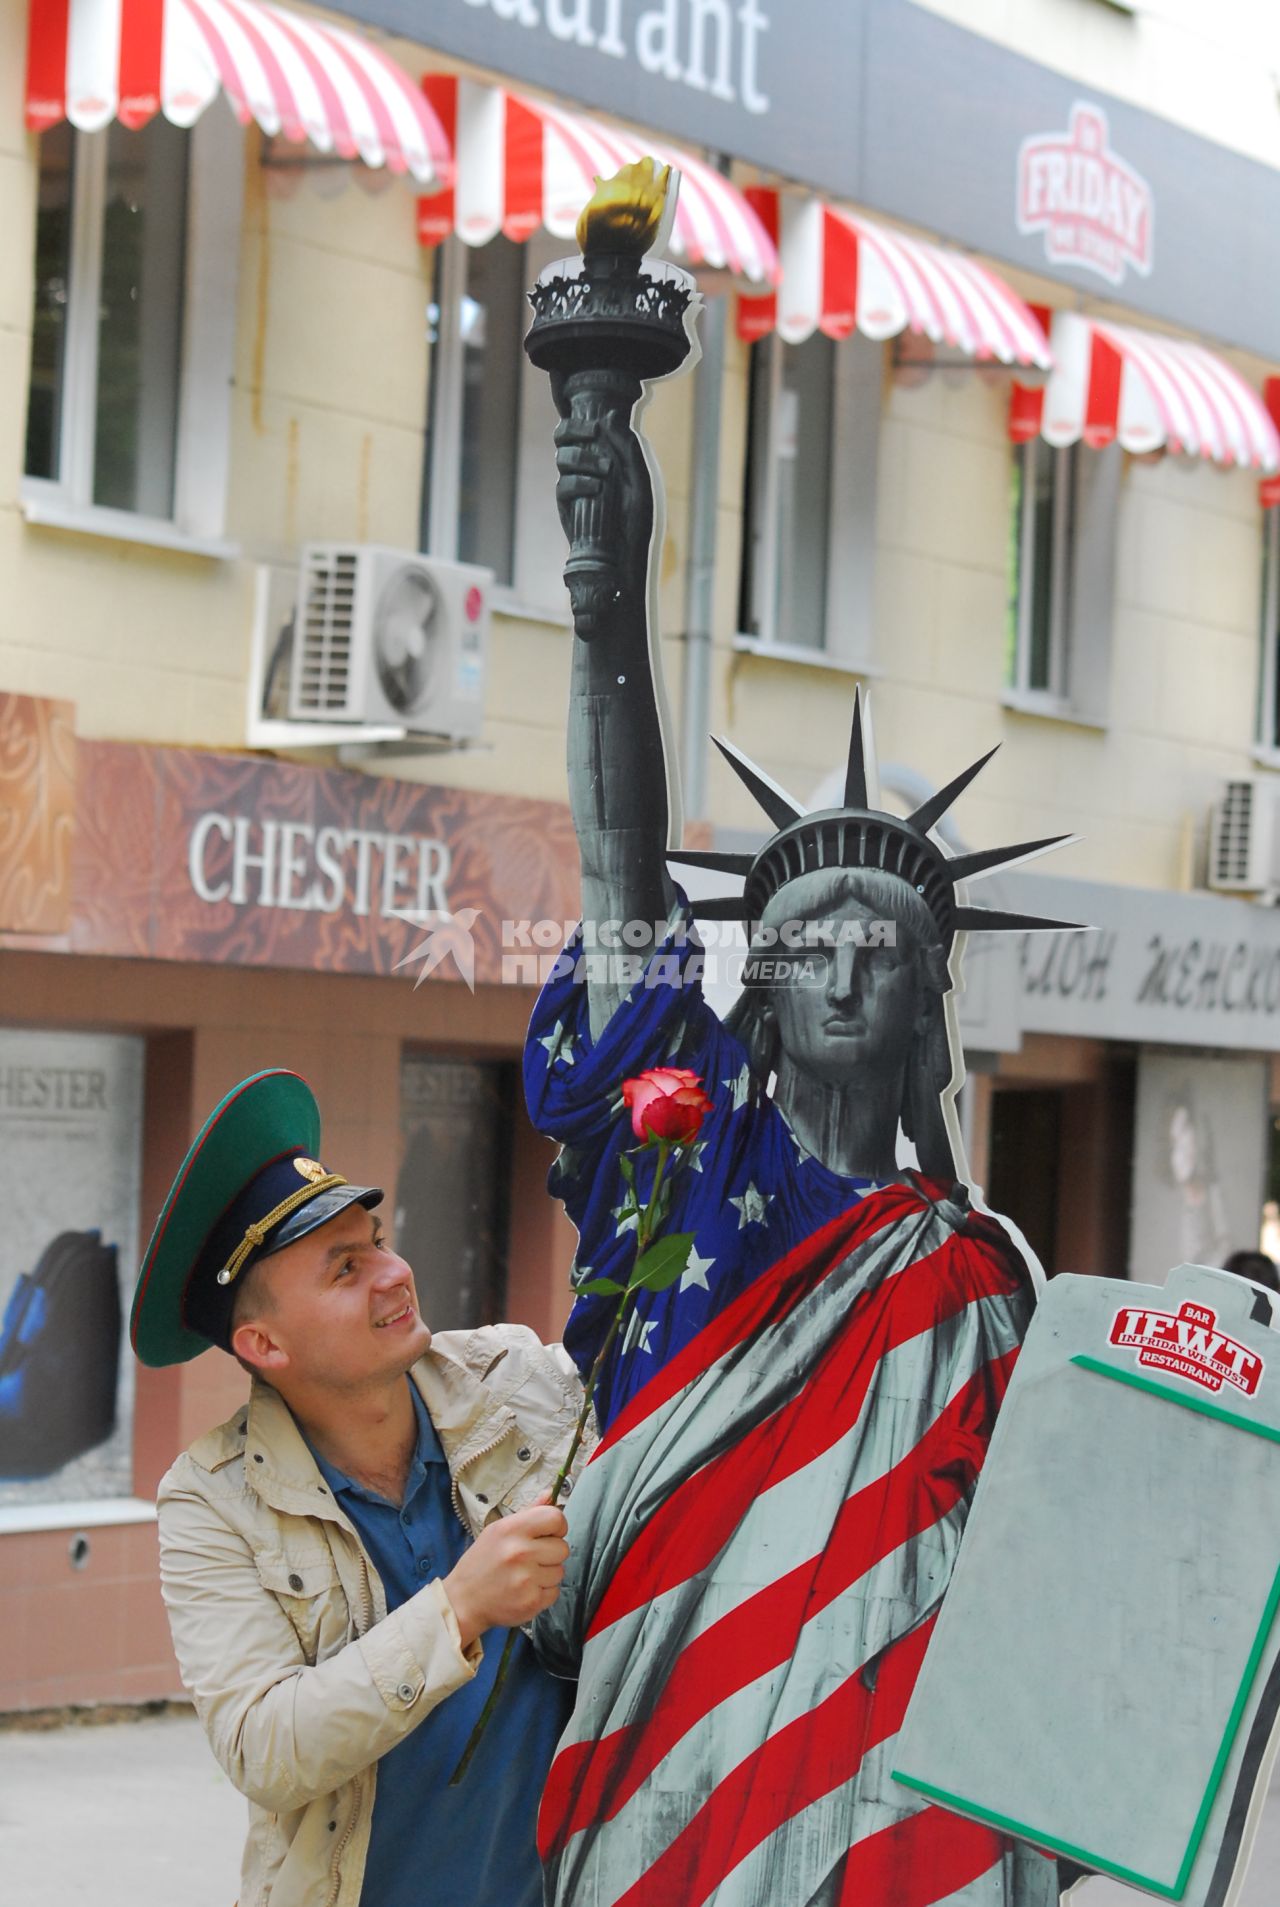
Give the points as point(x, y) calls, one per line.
point(513, 1570)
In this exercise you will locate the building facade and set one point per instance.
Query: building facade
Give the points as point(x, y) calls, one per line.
point(981, 423)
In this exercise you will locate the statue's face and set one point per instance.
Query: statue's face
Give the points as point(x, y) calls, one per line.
point(861, 1019)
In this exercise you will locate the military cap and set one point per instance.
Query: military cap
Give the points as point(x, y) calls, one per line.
point(250, 1185)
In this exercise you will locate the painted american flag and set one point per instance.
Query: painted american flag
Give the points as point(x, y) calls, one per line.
point(762, 1541)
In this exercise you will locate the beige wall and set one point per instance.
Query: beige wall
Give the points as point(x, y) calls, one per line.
point(328, 403)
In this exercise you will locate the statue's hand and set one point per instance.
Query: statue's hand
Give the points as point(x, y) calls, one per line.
point(600, 459)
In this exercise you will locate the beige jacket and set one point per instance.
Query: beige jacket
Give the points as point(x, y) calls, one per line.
point(300, 1677)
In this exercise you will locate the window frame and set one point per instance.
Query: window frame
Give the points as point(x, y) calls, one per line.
point(215, 194)
point(536, 590)
point(1267, 730)
point(1086, 517)
point(857, 413)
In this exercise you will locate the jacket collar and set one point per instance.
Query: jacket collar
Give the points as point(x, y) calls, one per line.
point(465, 1385)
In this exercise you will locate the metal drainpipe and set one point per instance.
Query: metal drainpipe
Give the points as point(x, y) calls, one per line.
point(699, 595)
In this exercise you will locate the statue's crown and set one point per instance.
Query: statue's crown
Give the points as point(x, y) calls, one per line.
point(860, 836)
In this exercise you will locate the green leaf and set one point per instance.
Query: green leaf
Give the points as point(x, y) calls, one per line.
point(601, 1288)
point(627, 1168)
point(663, 1263)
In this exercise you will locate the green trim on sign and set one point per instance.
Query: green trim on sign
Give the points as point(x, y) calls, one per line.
point(1201, 1404)
point(1008, 1825)
point(1021, 1828)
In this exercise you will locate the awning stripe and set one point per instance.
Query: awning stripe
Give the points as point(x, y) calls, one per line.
point(1113, 383)
point(843, 272)
point(91, 61)
point(526, 163)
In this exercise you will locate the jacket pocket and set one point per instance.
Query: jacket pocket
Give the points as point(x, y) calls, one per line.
point(310, 1593)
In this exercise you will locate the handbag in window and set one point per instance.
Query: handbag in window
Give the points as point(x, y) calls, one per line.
point(59, 1357)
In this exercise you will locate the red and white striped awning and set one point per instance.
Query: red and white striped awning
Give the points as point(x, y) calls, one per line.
point(842, 273)
point(1114, 384)
point(92, 61)
point(523, 164)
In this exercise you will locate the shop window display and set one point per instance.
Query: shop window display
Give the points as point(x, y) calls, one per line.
point(70, 1125)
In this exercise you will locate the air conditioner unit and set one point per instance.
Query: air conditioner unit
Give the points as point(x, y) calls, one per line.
point(1244, 837)
point(384, 636)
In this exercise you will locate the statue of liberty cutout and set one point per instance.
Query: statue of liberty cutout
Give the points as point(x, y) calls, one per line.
point(792, 1434)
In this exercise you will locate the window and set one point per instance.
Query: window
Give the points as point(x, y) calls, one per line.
point(1062, 543)
point(488, 481)
point(133, 327)
point(812, 437)
point(1269, 687)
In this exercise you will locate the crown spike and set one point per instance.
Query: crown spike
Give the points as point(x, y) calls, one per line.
point(720, 907)
point(775, 801)
point(989, 920)
point(720, 860)
point(936, 806)
point(965, 867)
point(855, 779)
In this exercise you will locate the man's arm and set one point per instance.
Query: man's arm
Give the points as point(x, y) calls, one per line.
point(286, 1731)
point(617, 764)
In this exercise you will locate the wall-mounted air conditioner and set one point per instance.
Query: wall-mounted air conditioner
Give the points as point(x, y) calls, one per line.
point(383, 637)
point(1244, 836)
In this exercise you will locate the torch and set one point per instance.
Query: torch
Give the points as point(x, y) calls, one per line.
point(604, 326)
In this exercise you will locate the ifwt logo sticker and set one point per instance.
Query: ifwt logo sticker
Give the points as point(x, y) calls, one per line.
point(1094, 210)
point(1189, 1344)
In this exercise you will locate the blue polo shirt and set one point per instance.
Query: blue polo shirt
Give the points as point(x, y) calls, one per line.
point(470, 1846)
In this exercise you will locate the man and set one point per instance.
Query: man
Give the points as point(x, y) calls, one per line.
point(342, 1559)
point(793, 1433)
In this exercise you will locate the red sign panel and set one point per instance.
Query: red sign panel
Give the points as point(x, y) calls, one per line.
point(1094, 210)
point(1187, 1343)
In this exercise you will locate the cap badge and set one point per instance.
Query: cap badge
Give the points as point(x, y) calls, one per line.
point(310, 1169)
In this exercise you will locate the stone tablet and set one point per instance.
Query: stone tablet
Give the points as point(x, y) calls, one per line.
point(1105, 1675)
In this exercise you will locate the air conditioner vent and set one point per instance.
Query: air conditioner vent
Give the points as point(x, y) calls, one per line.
point(386, 637)
point(1244, 841)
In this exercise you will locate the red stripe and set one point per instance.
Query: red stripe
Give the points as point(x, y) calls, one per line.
point(1102, 398)
point(591, 1781)
point(916, 1862)
point(141, 46)
point(768, 1299)
point(46, 95)
point(757, 316)
point(522, 185)
point(809, 1758)
point(840, 243)
point(1026, 412)
point(436, 213)
point(690, 1528)
point(384, 125)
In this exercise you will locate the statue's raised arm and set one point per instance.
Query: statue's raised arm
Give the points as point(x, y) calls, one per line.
point(603, 330)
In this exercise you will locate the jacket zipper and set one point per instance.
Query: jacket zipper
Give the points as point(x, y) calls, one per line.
point(341, 1848)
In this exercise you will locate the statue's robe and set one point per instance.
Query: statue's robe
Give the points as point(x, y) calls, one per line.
point(762, 1541)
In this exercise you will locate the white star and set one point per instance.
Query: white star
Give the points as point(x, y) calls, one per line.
point(752, 1206)
point(627, 1220)
point(559, 1044)
point(695, 1272)
point(739, 1087)
point(639, 1331)
point(693, 1157)
point(676, 1042)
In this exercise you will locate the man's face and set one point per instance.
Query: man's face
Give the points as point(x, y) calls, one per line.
point(861, 1018)
point(341, 1309)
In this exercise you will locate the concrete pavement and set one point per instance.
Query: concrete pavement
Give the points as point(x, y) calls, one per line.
point(138, 1814)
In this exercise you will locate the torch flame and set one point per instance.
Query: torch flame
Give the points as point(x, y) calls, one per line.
point(625, 213)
